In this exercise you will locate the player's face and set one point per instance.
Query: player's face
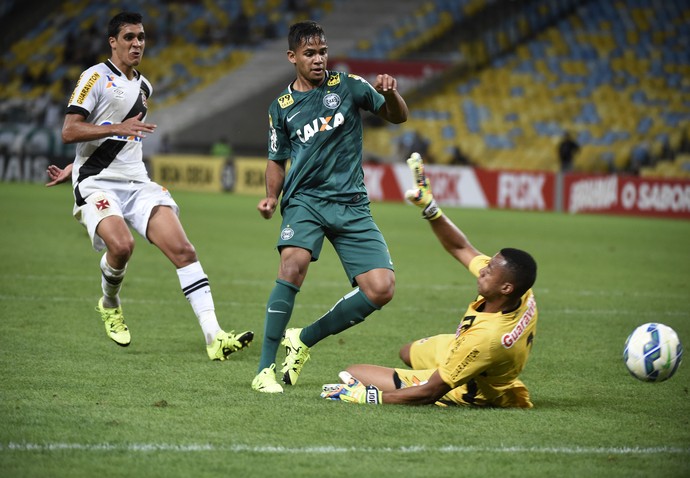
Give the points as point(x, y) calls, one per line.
point(128, 47)
point(311, 60)
point(493, 278)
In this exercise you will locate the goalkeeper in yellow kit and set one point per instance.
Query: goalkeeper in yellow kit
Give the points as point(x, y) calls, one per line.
point(479, 364)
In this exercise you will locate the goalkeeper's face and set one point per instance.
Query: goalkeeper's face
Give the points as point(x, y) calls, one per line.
point(493, 280)
point(128, 47)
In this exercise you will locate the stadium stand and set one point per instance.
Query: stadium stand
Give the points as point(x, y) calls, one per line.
point(236, 105)
point(613, 73)
point(190, 43)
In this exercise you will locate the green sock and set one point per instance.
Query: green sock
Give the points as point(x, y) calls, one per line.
point(348, 311)
point(278, 312)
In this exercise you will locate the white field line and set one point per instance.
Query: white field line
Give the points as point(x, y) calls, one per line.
point(327, 450)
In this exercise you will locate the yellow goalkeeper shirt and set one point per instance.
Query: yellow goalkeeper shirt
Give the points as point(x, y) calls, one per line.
point(489, 350)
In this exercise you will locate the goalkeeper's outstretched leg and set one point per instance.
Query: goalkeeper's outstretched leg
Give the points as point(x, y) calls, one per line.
point(380, 377)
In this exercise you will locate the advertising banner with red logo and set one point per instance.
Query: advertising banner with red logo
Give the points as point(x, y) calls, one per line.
point(626, 195)
point(465, 186)
point(535, 191)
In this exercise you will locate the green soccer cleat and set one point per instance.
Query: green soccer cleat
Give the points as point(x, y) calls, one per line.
point(115, 326)
point(296, 355)
point(226, 343)
point(265, 381)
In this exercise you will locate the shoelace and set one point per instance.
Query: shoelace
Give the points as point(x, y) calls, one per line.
point(115, 320)
point(231, 342)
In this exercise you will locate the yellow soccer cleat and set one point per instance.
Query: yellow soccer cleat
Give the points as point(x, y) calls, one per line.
point(226, 343)
point(266, 382)
point(296, 355)
point(115, 326)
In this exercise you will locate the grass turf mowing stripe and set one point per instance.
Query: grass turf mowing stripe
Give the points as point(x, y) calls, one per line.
point(239, 448)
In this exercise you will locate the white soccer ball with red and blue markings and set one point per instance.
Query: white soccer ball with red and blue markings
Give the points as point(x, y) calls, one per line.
point(653, 352)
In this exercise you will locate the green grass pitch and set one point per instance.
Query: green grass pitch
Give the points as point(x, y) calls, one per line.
point(74, 404)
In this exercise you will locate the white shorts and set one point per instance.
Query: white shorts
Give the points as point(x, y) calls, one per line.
point(132, 200)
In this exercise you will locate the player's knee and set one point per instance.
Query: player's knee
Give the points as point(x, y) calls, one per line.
point(292, 272)
point(181, 253)
point(121, 248)
point(381, 293)
point(185, 254)
point(405, 354)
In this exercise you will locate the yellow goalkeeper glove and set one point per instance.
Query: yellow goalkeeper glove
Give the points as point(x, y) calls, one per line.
point(351, 391)
point(421, 196)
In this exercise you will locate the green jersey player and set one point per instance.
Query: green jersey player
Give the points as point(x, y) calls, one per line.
point(315, 123)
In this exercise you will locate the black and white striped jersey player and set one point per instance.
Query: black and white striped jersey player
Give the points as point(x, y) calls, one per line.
point(106, 117)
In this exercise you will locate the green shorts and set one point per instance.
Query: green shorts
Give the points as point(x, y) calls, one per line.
point(349, 227)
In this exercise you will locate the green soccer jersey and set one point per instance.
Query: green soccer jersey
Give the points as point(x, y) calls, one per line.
point(320, 131)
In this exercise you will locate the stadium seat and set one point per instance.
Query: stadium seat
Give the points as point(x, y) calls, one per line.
point(43, 46)
point(612, 72)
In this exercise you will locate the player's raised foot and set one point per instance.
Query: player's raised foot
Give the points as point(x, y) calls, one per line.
point(226, 343)
point(296, 355)
point(115, 326)
point(266, 382)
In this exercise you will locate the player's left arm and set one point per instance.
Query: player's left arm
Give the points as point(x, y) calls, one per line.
point(352, 390)
point(429, 392)
point(394, 110)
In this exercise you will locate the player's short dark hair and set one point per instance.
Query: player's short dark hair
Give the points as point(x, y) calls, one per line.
point(302, 31)
point(522, 267)
point(123, 18)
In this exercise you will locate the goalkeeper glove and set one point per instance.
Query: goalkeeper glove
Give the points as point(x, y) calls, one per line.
point(351, 391)
point(421, 196)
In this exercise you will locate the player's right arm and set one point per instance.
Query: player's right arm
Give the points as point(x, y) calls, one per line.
point(76, 129)
point(275, 177)
point(449, 235)
point(454, 240)
point(58, 175)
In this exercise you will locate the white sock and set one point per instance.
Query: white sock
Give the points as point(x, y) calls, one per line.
point(111, 283)
point(196, 288)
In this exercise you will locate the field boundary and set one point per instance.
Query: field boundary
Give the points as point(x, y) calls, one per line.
point(327, 449)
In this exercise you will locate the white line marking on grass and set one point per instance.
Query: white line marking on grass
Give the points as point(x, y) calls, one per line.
point(325, 450)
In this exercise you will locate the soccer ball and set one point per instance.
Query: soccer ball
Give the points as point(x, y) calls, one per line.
point(652, 352)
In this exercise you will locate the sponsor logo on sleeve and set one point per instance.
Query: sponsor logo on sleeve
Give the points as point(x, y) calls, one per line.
point(71, 98)
point(469, 358)
point(87, 88)
point(273, 136)
point(359, 78)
